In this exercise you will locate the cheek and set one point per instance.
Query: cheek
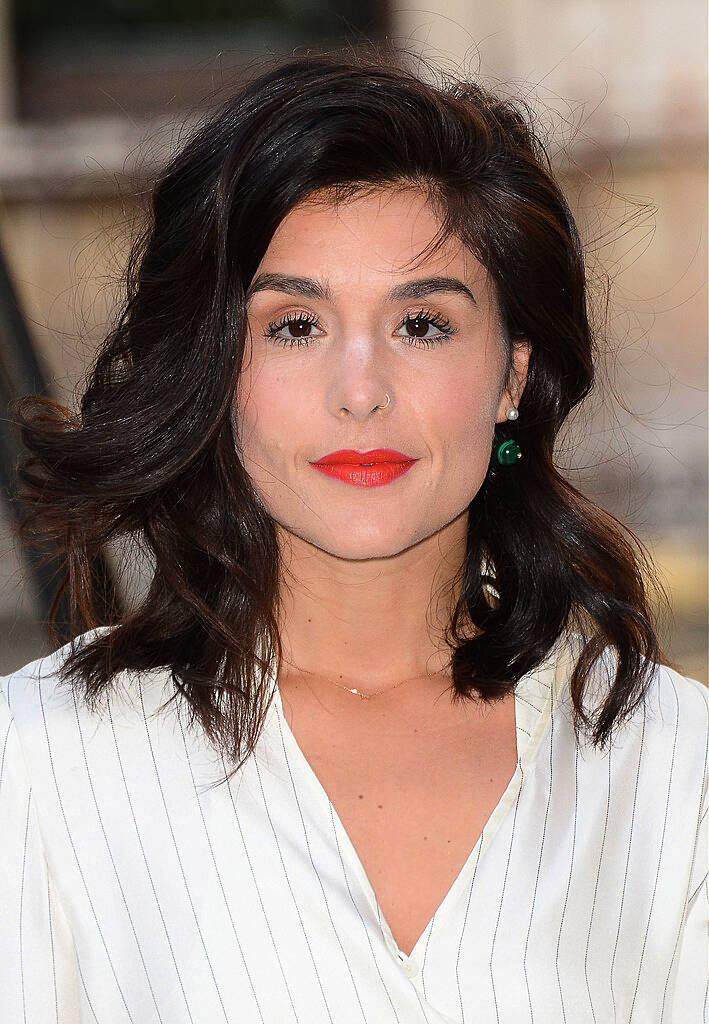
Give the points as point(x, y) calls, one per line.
point(470, 426)
point(264, 406)
point(464, 427)
point(464, 411)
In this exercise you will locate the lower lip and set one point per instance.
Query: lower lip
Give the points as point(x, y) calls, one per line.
point(365, 476)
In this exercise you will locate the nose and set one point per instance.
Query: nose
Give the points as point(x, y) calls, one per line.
point(361, 372)
point(363, 408)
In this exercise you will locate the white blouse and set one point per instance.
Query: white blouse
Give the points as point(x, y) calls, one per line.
point(131, 892)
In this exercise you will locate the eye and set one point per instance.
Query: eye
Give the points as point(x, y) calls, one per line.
point(420, 324)
point(294, 329)
point(300, 324)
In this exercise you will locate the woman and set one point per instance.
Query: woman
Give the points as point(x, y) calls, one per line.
point(390, 738)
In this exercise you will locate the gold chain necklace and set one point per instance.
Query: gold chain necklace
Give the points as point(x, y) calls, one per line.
point(368, 696)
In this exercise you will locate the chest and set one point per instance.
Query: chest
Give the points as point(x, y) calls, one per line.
point(413, 800)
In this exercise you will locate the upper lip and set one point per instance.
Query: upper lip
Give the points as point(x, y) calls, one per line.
point(353, 458)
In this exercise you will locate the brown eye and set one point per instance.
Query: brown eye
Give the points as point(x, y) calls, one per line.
point(428, 328)
point(419, 326)
point(292, 329)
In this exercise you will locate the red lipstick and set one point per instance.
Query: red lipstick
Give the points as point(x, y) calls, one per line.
point(365, 469)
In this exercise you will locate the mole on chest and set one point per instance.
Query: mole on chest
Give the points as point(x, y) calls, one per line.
point(413, 822)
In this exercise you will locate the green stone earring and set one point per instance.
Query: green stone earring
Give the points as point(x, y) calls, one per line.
point(508, 451)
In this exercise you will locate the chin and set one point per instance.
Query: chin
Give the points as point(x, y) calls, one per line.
point(359, 542)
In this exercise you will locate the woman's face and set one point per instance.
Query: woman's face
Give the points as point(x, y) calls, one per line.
point(324, 350)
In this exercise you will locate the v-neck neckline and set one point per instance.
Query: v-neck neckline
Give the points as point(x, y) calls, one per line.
point(535, 696)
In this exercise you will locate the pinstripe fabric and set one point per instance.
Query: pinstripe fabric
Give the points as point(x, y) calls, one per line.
point(131, 891)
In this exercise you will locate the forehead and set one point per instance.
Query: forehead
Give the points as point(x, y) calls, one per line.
point(378, 234)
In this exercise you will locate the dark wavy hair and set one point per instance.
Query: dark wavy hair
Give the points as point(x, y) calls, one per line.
point(152, 452)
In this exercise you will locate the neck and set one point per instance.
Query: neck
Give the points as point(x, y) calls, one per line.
point(371, 624)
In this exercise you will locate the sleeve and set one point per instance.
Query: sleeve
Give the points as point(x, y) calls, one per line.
point(38, 982)
point(691, 993)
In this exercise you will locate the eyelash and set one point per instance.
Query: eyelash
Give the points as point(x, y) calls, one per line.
point(434, 319)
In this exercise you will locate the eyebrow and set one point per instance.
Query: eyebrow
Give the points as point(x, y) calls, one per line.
point(308, 288)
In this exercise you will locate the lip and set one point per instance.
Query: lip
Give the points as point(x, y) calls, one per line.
point(348, 457)
point(364, 476)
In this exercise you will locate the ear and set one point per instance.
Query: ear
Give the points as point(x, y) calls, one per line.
point(521, 351)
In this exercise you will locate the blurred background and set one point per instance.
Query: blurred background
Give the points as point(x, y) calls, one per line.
point(94, 98)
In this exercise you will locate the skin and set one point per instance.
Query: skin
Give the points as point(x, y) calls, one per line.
point(370, 575)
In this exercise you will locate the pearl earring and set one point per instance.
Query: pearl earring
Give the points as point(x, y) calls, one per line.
point(513, 413)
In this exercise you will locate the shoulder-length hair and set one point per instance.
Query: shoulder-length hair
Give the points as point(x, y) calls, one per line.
point(152, 452)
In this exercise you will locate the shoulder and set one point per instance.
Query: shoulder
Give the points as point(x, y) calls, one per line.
point(50, 715)
point(675, 710)
point(677, 719)
point(682, 699)
point(665, 736)
point(38, 688)
point(672, 702)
